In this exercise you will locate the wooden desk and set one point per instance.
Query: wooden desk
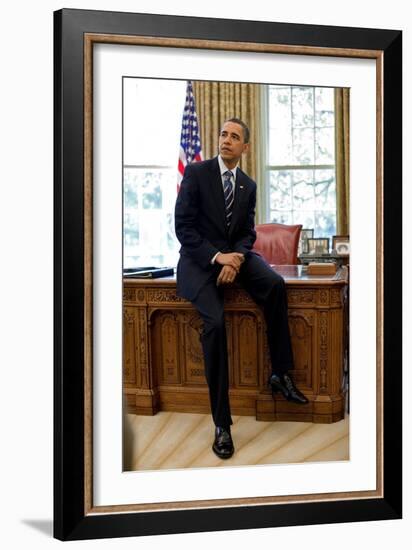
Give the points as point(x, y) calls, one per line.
point(163, 360)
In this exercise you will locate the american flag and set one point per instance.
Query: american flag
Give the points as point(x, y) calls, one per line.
point(190, 149)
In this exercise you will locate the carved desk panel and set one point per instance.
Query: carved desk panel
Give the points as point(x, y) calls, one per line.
point(163, 360)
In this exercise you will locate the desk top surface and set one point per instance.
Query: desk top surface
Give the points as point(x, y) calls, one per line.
point(293, 275)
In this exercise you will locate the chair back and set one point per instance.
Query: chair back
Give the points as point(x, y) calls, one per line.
point(278, 243)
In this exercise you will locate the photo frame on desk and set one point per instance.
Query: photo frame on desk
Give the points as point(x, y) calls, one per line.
point(93, 497)
point(341, 245)
point(304, 236)
point(318, 246)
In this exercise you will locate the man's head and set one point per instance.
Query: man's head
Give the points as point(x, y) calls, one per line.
point(233, 141)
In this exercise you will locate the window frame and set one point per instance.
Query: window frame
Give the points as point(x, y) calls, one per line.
point(264, 168)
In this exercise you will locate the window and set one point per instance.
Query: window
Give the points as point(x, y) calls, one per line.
point(152, 124)
point(300, 157)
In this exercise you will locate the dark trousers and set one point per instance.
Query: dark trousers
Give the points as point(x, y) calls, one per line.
point(268, 290)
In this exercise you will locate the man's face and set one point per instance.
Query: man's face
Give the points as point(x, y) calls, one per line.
point(232, 142)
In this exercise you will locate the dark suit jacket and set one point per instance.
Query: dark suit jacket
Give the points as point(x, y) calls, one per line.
point(200, 223)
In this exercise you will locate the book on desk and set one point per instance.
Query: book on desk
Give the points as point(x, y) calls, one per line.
point(150, 272)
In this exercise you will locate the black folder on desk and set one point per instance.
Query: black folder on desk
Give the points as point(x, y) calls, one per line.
point(148, 272)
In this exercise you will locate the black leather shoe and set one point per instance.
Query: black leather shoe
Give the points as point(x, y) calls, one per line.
point(223, 444)
point(285, 385)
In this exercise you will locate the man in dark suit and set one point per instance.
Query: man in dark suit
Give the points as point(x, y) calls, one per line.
point(214, 222)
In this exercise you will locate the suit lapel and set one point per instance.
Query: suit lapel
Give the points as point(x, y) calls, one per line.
point(217, 191)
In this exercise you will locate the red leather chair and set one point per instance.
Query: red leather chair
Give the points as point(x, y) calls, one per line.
point(278, 243)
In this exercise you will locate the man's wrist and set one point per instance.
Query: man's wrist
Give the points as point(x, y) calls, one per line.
point(243, 251)
point(212, 261)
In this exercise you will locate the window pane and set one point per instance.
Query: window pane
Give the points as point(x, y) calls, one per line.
point(310, 202)
point(325, 146)
point(303, 192)
point(130, 214)
point(303, 150)
point(151, 193)
point(149, 200)
point(302, 107)
point(307, 219)
point(325, 190)
point(280, 190)
point(280, 123)
point(325, 225)
point(324, 105)
point(280, 216)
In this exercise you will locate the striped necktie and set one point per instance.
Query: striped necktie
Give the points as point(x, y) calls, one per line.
point(228, 192)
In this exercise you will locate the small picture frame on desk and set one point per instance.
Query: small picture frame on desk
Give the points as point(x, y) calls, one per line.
point(318, 246)
point(342, 248)
point(340, 244)
point(304, 236)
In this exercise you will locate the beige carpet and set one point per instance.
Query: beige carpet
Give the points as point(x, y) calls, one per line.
point(172, 440)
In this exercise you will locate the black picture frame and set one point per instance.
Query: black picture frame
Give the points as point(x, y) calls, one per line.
point(340, 240)
point(304, 236)
point(72, 521)
point(337, 238)
point(318, 243)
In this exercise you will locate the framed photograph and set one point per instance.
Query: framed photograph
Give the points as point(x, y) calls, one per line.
point(304, 236)
point(95, 496)
point(339, 238)
point(341, 245)
point(318, 246)
point(342, 248)
point(174, 396)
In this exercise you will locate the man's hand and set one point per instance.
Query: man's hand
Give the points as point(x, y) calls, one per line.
point(232, 259)
point(226, 275)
